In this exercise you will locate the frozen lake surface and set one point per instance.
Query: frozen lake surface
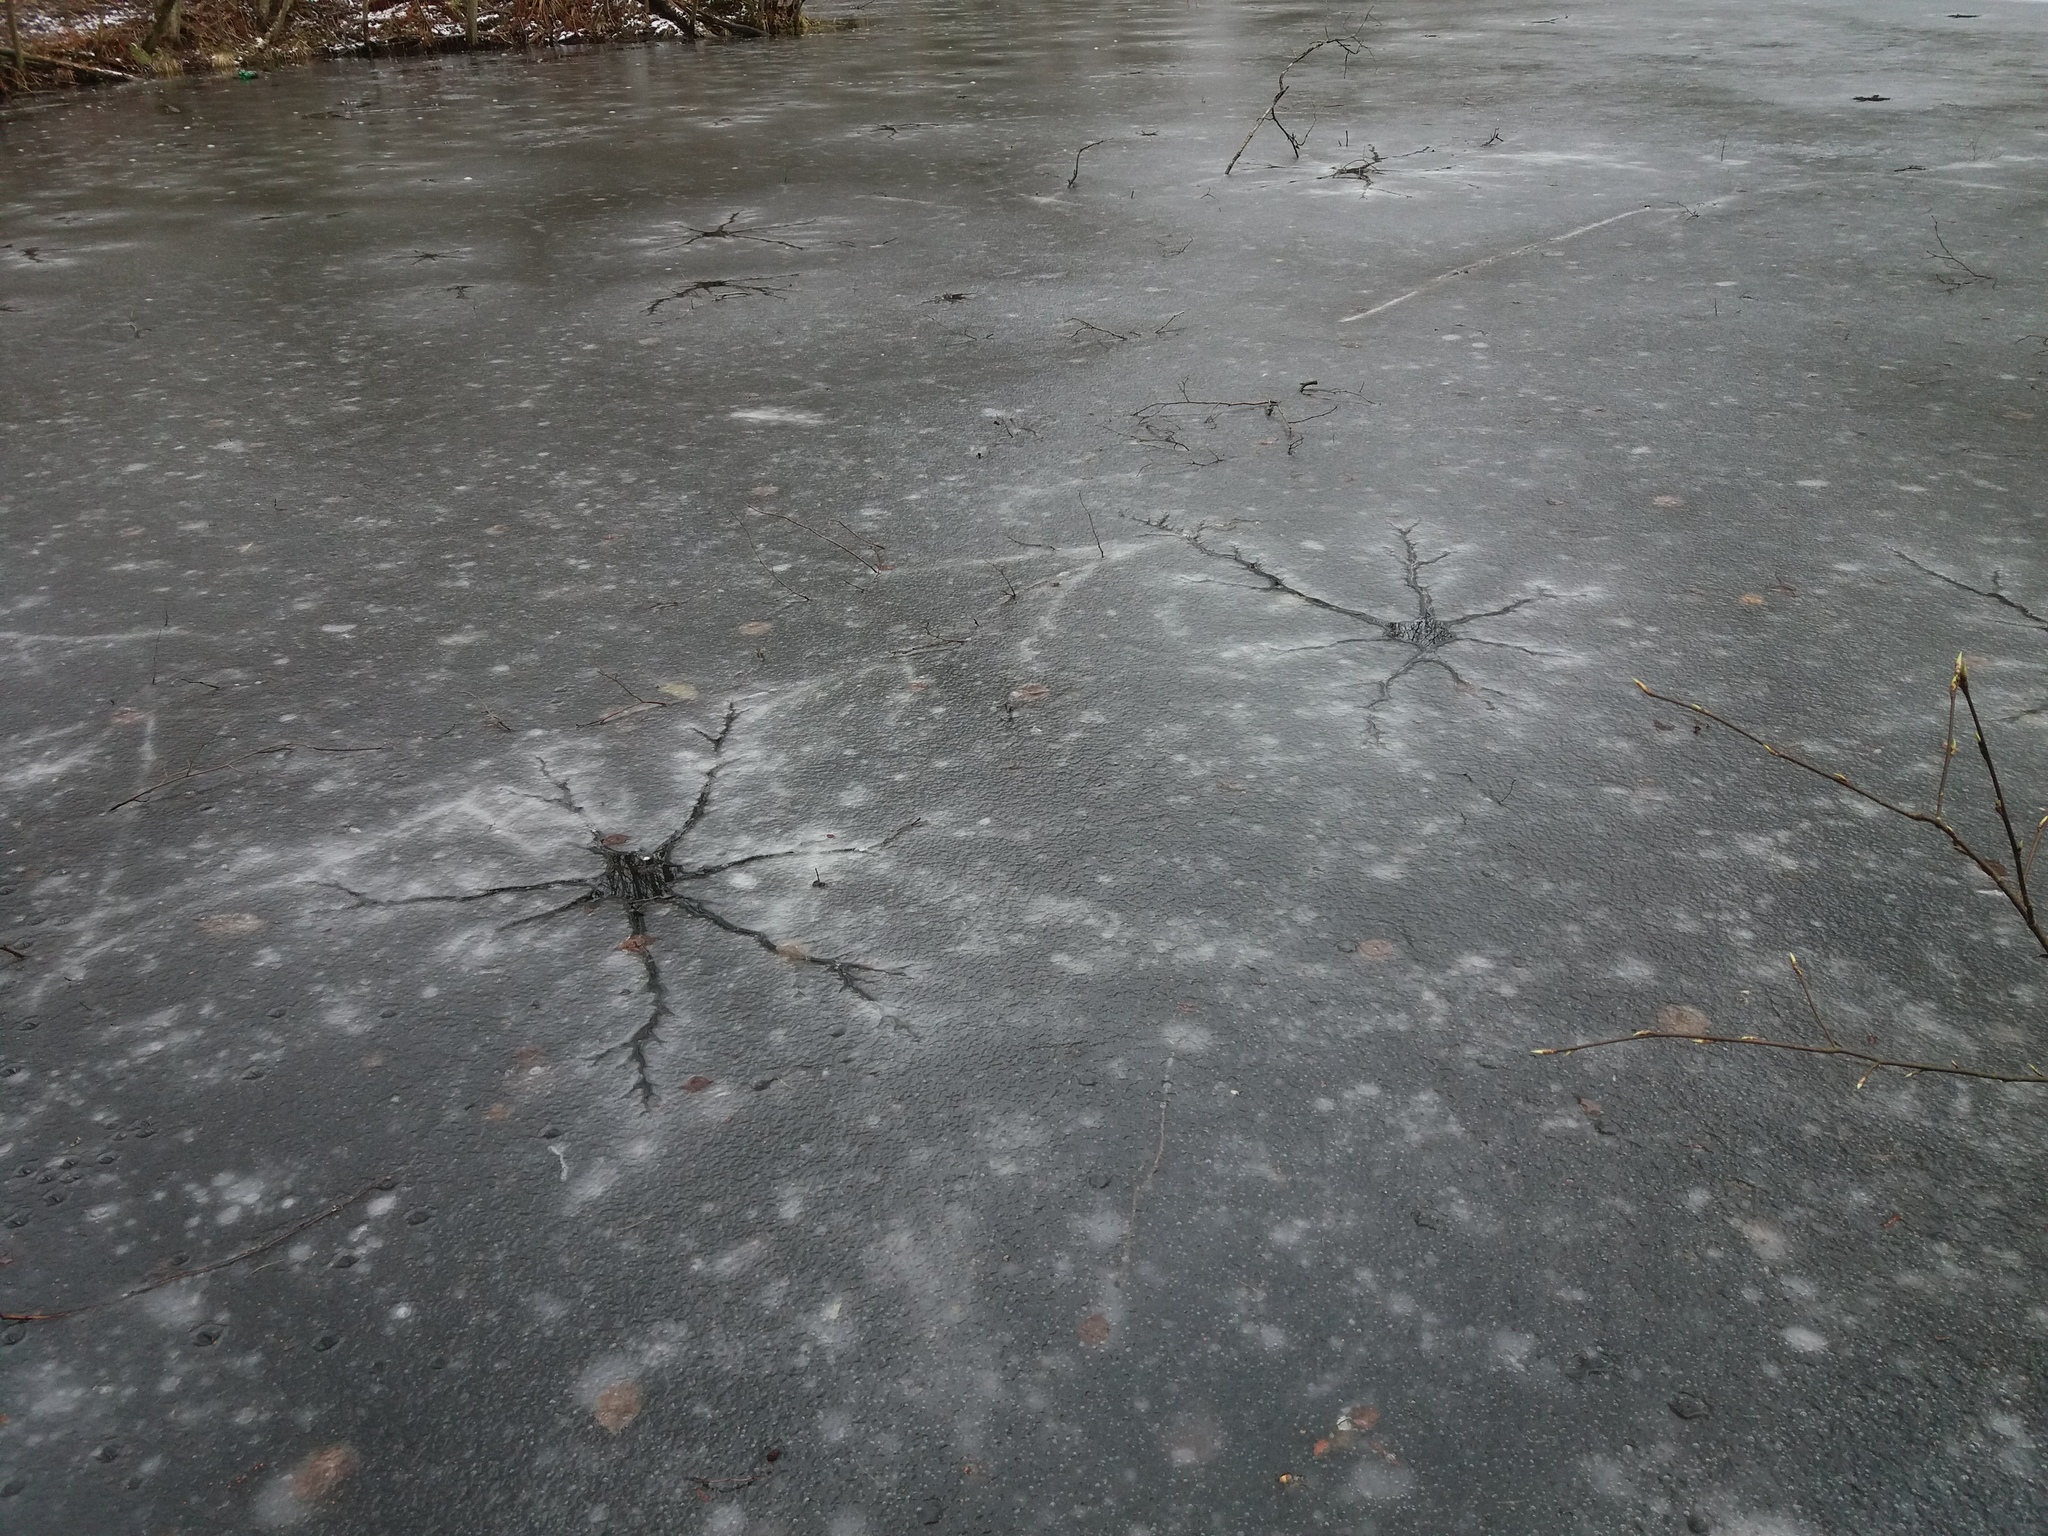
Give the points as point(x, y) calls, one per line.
point(1073, 715)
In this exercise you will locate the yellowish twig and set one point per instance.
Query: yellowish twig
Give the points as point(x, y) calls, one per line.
point(2011, 885)
point(1908, 1067)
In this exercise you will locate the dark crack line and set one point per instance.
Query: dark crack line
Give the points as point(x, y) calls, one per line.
point(1995, 592)
point(563, 795)
point(639, 883)
point(845, 970)
point(1426, 635)
point(1275, 582)
point(702, 807)
point(634, 1046)
point(1494, 613)
point(363, 899)
point(589, 898)
point(1505, 645)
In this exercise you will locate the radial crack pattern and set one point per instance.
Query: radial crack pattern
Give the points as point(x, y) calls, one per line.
point(1425, 636)
point(639, 882)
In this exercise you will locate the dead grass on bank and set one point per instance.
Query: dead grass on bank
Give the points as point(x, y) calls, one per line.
point(48, 45)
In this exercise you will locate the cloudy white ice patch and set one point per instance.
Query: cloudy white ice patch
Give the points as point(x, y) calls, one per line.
point(778, 416)
point(1379, 1482)
point(1511, 1350)
point(1805, 1340)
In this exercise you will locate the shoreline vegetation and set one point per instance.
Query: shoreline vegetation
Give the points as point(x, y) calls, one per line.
point(53, 45)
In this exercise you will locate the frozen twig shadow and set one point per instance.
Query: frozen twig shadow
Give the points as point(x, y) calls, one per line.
point(716, 290)
point(196, 771)
point(182, 1269)
point(1957, 273)
point(1360, 170)
point(639, 881)
point(1425, 637)
point(1165, 423)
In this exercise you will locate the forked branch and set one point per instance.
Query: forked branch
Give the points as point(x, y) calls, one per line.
point(2010, 881)
point(1871, 1062)
point(1350, 45)
point(1875, 1063)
